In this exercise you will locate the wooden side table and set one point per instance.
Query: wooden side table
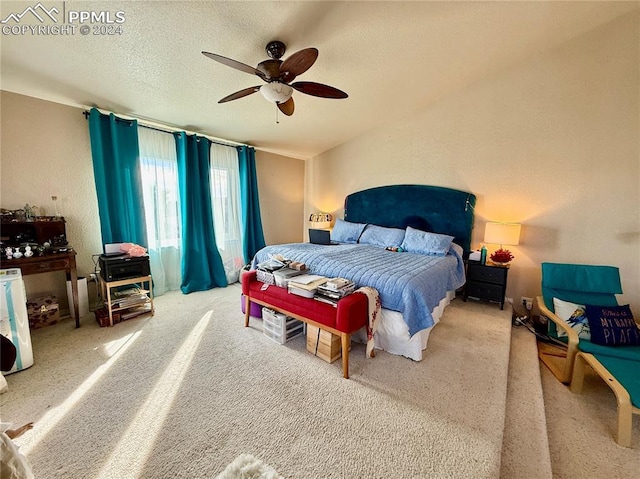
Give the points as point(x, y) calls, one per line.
point(487, 282)
point(112, 304)
point(65, 261)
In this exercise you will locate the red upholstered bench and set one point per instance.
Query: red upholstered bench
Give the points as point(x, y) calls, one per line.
point(350, 315)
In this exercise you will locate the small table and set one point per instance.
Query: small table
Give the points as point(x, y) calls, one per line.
point(106, 286)
point(485, 281)
point(65, 261)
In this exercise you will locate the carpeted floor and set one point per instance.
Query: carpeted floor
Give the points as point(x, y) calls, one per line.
point(184, 393)
point(579, 440)
point(525, 451)
point(582, 428)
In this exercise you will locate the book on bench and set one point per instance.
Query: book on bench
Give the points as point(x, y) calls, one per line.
point(305, 285)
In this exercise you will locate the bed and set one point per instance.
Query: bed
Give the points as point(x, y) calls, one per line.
point(416, 285)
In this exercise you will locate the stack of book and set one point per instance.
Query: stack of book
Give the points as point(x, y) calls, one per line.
point(129, 298)
point(282, 276)
point(305, 285)
point(334, 290)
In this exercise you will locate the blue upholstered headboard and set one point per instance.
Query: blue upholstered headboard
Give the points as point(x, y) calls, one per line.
point(429, 208)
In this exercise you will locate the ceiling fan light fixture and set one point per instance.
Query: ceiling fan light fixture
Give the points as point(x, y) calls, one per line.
point(276, 92)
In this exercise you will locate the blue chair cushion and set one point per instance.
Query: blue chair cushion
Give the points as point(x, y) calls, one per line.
point(626, 372)
point(582, 284)
point(622, 362)
point(612, 325)
point(631, 353)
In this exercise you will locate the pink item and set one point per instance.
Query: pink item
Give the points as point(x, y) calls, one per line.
point(133, 249)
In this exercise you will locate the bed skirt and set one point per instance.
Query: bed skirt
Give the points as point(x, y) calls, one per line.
point(392, 335)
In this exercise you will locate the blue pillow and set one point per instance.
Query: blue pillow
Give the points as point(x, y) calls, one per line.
point(423, 242)
point(346, 232)
point(612, 325)
point(381, 236)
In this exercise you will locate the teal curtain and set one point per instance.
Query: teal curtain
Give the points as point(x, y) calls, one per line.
point(114, 148)
point(253, 237)
point(202, 266)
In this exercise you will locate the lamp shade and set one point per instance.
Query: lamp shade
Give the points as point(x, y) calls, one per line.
point(320, 221)
point(502, 233)
point(276, 91)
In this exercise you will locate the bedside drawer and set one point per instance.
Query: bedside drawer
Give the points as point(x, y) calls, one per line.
point(487, 274)
point(490, 292)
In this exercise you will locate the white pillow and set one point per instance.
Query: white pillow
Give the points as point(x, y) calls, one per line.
point(574, 315)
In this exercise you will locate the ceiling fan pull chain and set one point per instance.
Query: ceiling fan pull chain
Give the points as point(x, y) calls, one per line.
point(277, 122)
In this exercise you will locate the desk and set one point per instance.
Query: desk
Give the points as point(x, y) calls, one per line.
point(46, 264)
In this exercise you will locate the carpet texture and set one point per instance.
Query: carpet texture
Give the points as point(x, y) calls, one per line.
point(525, 451)
point(588, 421)
point(184, 393)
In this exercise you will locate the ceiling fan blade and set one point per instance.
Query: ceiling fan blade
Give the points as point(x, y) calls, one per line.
point(287, 107)
point(298, 63)
point(240, 94)
point(318, 89)
point(235, 64)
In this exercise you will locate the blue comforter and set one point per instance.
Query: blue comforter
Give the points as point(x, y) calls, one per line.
point(412, 284)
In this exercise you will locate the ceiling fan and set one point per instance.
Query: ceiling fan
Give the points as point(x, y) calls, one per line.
point(278, 76)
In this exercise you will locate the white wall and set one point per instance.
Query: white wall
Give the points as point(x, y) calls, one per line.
point(45, 151)
point(552, 143)
point(281, 188)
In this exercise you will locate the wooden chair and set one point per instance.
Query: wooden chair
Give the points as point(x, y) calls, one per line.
point(619, 367)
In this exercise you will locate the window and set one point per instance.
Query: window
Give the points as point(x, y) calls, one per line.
point(159, 171)
point(225, 204)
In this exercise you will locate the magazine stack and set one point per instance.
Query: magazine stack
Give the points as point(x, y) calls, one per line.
point(334, 290)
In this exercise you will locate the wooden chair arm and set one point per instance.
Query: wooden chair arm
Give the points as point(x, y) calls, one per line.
point(571, 333)
point(566, 371)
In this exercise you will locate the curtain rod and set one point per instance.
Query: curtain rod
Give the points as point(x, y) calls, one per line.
point(217, 142)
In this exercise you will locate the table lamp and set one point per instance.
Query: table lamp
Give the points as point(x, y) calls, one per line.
point(320, 221)
point(502, 234)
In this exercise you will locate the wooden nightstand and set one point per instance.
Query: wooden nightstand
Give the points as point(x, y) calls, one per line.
point(487, 282)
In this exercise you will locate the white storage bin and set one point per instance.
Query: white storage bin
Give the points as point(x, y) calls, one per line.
point(279, 327)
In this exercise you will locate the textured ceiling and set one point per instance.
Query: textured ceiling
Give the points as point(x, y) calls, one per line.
point(392, 58)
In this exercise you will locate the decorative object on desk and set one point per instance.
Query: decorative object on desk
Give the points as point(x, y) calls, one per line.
point(502, 234)
point(30, 212)
point(27, 252)
point(17, 253)
point(55, 206)
point(6, 215)
point(320, 221)
point(8, 252)
point(501, 257)
point(18, 215)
